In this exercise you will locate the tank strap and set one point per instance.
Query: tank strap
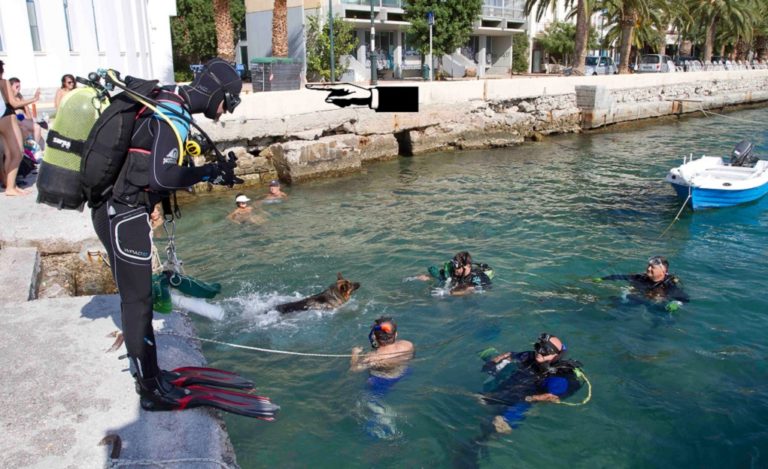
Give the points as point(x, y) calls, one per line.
point(60, 142)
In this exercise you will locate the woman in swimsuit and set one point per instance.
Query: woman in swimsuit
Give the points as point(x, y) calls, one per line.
point(11, 134)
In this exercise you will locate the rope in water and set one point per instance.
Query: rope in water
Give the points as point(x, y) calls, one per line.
point(677, 217)
point(266, 350)
point(183, 462)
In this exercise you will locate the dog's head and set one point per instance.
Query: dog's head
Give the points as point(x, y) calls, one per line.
point(345, 287)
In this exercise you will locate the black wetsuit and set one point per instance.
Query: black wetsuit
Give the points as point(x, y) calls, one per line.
point(528, 379)
point(476, 278)
point(665, 290)
point(150, 173)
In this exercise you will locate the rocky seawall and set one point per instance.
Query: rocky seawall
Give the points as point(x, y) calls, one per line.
point(296, 136)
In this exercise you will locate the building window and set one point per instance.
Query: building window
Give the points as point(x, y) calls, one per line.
point(34, 29)
point(69, 26)
point(2, 43)
point(95, 26)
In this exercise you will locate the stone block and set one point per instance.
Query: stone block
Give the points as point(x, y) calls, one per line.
point(592, 97)
point(378, 147)
point(300, 160)
point(21, 268)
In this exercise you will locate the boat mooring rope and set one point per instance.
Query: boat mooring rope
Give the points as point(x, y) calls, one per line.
point(677, 217)
point(708, 113)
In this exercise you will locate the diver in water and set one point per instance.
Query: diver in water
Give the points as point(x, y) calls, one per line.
point(386, 364)
point(464, 276)
point(541, 375)
point(389, 359)
point(656, 284)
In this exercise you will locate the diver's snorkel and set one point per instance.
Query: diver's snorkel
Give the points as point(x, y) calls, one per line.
point(387, 330)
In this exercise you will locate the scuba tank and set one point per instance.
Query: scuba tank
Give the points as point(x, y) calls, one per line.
point(58, 182)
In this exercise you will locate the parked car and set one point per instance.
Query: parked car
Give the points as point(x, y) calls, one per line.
point(687, 63)
point(654, 63)
point(600, 66)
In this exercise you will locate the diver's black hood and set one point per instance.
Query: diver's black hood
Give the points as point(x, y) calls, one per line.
point(206, 91)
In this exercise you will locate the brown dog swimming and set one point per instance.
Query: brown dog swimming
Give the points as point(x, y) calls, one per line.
point(332, 297)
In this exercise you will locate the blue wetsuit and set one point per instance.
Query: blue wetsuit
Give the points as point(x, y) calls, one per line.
point(528, 380)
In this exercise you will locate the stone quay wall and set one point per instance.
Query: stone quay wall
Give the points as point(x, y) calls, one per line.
point(296, 135)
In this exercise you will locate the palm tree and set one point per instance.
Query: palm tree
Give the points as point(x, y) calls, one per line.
point(736, 16)
point(636, 23)
point(280, 29)
point(225, 42)
point(582, 25)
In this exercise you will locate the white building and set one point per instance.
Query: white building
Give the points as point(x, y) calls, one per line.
point(41, 40)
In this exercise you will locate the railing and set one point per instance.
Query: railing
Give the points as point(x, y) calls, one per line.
point(507, 9)
point(376, 3)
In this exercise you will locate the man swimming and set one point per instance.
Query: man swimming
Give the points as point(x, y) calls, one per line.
point(656, 284)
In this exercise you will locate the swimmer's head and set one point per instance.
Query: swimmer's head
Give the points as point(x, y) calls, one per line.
point(383, 332)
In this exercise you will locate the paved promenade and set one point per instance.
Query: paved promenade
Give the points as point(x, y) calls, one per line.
point(63, 391)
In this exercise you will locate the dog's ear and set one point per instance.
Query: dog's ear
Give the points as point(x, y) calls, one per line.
point(338, 276)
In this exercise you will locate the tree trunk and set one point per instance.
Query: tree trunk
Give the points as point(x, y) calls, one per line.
point(225, 42)
point(280, 29)
point(686, 47)
point(627, 27)
point(709, 41)
point(761, 47)
point(582, 37)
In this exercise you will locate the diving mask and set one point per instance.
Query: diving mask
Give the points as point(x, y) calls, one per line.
point(544, 346)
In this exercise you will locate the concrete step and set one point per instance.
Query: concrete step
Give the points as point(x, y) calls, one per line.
point(18, 278)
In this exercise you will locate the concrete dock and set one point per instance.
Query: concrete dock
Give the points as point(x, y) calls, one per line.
point(64, 391)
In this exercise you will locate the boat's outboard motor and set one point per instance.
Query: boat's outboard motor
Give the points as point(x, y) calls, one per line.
point(742, 154)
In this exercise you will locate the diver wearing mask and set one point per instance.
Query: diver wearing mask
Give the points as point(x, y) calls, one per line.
point(655, 285)
point(464, 276)
point(152, 172)
point(542, 375)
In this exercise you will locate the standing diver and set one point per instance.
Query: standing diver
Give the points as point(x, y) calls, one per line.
point(656, 284)
point(464, 276)
point(542, 375)
point(151, 173)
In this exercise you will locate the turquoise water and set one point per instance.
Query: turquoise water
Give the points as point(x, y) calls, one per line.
point(682, 390)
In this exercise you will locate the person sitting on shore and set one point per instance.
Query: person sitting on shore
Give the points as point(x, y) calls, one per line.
point(26, 116)
point(68, 84)
point(274, 193)
point(460, 275)
point(655, 285)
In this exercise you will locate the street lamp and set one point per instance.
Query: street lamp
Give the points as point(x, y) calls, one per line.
point(330, 26)
point(373, 48)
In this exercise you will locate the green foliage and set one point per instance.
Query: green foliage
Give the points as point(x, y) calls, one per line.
point(519, 53)
point(559, 40)
point(193, 33)
point(453, 23)
point(319, 46)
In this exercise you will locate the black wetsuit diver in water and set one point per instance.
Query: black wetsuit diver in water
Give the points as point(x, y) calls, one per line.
point(150, 174)
point(656, 285)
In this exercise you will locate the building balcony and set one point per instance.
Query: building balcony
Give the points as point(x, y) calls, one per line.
point(376, 3)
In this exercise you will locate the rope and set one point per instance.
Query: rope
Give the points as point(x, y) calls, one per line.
point(183, 462)
point(257, 349)
point(266, 350)
point(677, 217)
point(707, 113)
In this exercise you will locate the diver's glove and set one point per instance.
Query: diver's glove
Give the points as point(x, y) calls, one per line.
point(493, 368)
point(673, 306)
point(222, 172)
